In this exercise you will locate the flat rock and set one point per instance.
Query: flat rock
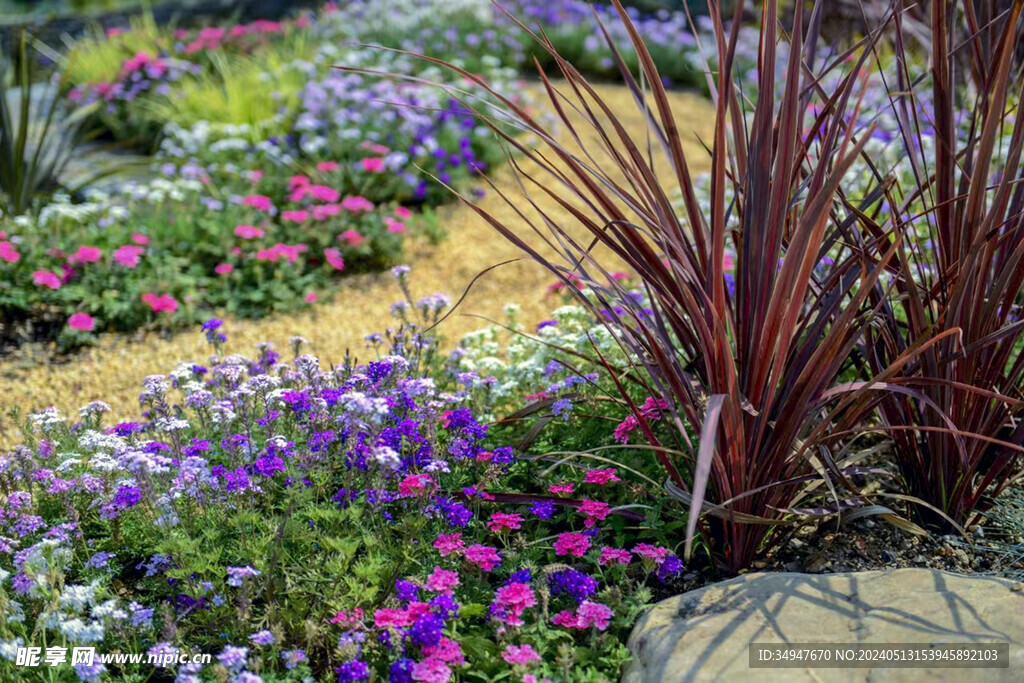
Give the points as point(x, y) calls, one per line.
point(704, 635)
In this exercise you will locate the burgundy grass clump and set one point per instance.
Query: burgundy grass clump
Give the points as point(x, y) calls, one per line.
point(750, 364)
point(965, 274)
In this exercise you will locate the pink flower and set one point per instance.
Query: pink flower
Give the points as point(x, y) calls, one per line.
point(45, 278)
point(595, 511)
point(297, 181)
point(311, 297)
point(248, 232)
point(374, 147)
point(351, 617)
point(442, 580)
point(322, 193)
point(561, 488)
point(415, 485)
point(601, 477)
point(82, 321)
point(255, 176)
point(403, 212)
point(373, 164)
point(399, 618)
point(520, 654)
point(322, 212)
point(625, 428)
point(395, 227)
point(565, 619)
point(351, 238)
point(511, 601)
point(448, 544)
point(483, 556)
point(653, 407)
point(333, 257)
point(505, 521)
point(651, 552)
point(614, 555)
point(128, 255)
point(587, 614)
point(571, 543)
point(289, 252)
point(86, 255)
point(431, 670)
point(327, 166)
point(295, 216)
point(356, 204)
point(447, 650)
point(223, 268)
point(594, 614)
point(160, 303)
point(728, 261)
point(259, 202)
point(139, 238)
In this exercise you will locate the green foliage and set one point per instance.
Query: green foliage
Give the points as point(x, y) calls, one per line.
point(38, 136)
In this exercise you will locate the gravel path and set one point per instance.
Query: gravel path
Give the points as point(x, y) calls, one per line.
point(112, 371)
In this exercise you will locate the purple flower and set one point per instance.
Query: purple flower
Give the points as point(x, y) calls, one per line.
point(355, 670)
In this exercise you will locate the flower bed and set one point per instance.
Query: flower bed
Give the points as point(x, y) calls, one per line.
point(294, 519)
point(276, 171)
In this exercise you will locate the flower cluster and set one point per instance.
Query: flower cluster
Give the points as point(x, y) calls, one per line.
point(374, 492)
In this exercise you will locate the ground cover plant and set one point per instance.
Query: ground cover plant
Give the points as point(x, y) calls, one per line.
point(342, 521)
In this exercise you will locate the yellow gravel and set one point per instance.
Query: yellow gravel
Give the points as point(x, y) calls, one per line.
point(112, 371)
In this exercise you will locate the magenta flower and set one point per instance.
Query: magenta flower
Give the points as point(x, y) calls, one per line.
point(614, 555)
point(520, 654)
point(448, 544)
point(625, 428)
point(356, 204)
point(650, 552)
point(295, 216)
point(601, 477)
point(86, 255)
point(572, 543)
point(128, 255)
point(223, 268)
point(248, 232)
point(259, 202)
point(415, 485)
point(505, 521)
point(512, 600)
point(310, 297)
point(327, 166)
point(447, 650)
point(322, 193)
point(431, 670)
point(562, 488)
point(160, 303)
point(373, 164)
point(333, 257)
point(82, 321)
point(351, 238)
point(140, 239)
point(594, 614)
point(442, 580)
point(403, 212)
point(483, 556)
point(45, 278)
point(595, 511)
point(8, 252)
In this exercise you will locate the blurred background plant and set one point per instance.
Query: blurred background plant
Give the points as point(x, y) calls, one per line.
point(40, 134)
